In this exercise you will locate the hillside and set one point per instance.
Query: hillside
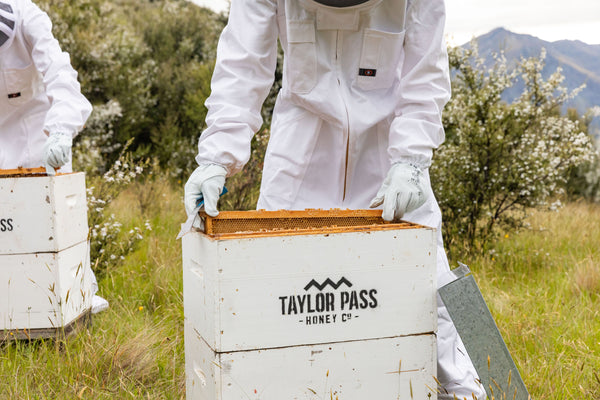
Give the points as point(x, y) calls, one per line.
point(580, 62)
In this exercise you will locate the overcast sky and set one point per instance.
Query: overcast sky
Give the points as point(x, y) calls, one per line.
point(549, 20)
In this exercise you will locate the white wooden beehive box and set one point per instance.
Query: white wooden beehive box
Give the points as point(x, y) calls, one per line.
point(40, 213)
point(298, 304)
point(45, 277)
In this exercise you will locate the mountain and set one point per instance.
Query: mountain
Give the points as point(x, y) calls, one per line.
point(580, 62)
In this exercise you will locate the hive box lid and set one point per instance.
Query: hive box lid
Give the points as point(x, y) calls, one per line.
point(248, 288)
point(40, 213)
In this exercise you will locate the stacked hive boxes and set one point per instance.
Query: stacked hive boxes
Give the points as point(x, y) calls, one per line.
point(45, 279)
point(309, 305)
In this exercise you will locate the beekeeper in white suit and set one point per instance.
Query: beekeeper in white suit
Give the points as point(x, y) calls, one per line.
point(354, 126)
point(41, 105)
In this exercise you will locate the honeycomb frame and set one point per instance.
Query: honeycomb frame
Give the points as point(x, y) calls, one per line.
point(232, 224)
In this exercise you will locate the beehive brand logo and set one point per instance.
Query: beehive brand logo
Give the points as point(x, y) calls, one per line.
point(328, 302)
point(6, 225)
point(327, 282)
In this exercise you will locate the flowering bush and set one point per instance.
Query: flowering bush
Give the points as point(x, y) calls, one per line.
point(500, 159)
point(584, 181)
point(109, 244)
point(97, 141)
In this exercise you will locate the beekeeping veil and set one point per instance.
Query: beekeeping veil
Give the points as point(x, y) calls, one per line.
point(341, 3)
point(338, 14)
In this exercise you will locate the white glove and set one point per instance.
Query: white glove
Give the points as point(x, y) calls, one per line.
point(207, 180)
point(57, 151)
point(403, 190)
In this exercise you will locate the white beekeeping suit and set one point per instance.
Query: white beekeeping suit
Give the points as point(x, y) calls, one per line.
point(41, 105)
point(354, 125)
point(40, 99)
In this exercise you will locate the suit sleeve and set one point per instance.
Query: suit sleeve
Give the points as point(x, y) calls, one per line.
point(243, 75)
point(424, 86)
point(69, 108)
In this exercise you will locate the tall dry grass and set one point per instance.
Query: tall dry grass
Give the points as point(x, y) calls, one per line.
point(542, 285)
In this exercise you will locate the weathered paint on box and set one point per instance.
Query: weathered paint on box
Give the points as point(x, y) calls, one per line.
point(44, 290)
point(258, 293)
point(42, 213)
point(387, 369)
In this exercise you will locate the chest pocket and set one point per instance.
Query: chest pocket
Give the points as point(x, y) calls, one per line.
point(302, 56)
point(21, 85)
point(380, 59)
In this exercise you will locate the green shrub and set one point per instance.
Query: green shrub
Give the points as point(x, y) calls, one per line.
point(499, 159)
point(152, 58)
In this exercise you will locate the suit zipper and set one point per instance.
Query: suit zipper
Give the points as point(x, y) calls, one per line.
point(347, 124)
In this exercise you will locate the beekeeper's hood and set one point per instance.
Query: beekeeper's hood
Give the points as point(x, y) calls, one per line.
point(342, 3)
point(7, 24)
point(346, 5)
point(338, 14)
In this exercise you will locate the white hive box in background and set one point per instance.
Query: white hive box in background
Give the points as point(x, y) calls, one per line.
point(42, 214)
point(308, 305)
point(45, 275)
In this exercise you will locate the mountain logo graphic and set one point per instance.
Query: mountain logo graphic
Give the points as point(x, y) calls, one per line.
point(327, 282)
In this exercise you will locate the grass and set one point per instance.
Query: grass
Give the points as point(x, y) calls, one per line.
point(543, 288)
point(542, 285)
point(134, 350)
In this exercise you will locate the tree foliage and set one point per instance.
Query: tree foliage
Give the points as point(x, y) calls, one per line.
point(584, 179)
point(150, 60)
point(501, 159)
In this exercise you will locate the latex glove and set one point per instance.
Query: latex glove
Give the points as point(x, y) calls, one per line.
point(208, 180)
point(402, 191)
point(57, 151)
